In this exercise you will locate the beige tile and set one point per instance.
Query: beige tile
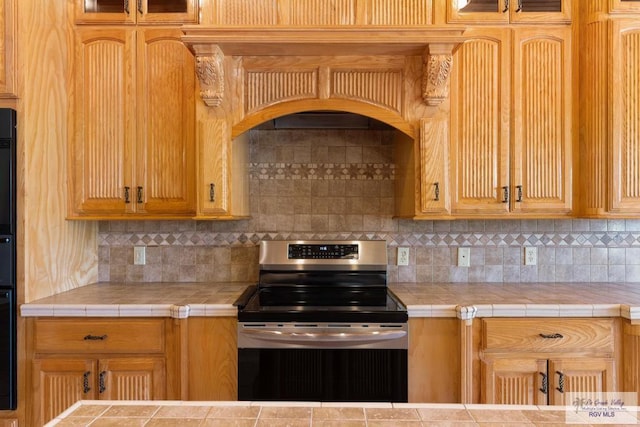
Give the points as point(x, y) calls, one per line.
point(391, 414)
point(120, 422)
point(435, 414)
point(338, 423)
point(89, 411)
point(545, 416)
point(75, 421)
point(228, 422)
point(174, 422)
point(283, 422)
point(498, 416)
point(394, 423)
point(131, 411)
point(285, 412)
point(182, 411)
point(234, 412)
point(337, 414)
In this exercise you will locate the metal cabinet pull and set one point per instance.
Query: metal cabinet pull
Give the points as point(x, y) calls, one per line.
point(127, 194)
point(212, 192)
point(545, 383)
point(551, 336)
point(506, 6)
point(139, 194)
point(126, 6)
point(95, 337)
point(101, 386)
point(519, 187)
point(140, 7)
point(85, 382)
point(519, 9)
point(505, 194)
point(560, 387)
point(437, 191)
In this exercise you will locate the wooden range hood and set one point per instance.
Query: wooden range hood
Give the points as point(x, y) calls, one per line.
point(257, 73)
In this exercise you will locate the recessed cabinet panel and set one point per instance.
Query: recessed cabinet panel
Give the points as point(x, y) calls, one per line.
point(104, 129)
point(136, 11)
point(624, 6)
point(480, 123)
point(505, 11)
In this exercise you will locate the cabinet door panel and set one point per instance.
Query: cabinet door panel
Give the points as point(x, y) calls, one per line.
point(514, 381)
point(101, 153)
point(583, 376)
point(139, 378)
point(215, 146)
point(480, 123)
point(542, 144)
point(59, 383)
point(434, 158)
point(625, 117)
point(166, 124)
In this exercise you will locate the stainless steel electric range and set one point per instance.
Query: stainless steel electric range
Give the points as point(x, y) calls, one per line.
point(322, 325)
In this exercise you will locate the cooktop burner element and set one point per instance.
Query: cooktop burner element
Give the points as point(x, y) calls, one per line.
point(339, 281)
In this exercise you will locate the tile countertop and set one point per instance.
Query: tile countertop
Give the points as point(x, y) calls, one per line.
point(171, 413)
point(464, 300)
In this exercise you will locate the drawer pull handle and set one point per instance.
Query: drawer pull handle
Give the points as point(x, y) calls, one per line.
point(552, 336)
point(437, 191)
point(85, 382)
point(545, 383)
point(560, 387)
point(101, 386)
point(95, 337)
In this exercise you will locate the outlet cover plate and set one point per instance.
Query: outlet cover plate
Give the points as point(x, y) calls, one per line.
point(139, 255)
point(464, 257)
point(403, 256)
point(530, 255)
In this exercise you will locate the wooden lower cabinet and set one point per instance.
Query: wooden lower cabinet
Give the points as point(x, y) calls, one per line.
point(531, 381)
point(111, 359)
point(60, 382)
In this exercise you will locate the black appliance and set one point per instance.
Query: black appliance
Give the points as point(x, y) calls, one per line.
point(8, 392)
point(321, 325)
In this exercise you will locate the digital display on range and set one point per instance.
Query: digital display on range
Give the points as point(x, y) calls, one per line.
point(319, 251)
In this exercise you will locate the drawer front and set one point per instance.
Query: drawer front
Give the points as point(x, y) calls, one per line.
point(99, 336)
point(540, 335)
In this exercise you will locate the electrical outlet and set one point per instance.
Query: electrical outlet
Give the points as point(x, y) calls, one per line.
point(403, 256)
point(464, 257)
point(530, 255)
point(139, 255)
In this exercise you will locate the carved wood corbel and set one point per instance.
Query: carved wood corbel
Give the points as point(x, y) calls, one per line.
point(210, 71)
point(437, 63)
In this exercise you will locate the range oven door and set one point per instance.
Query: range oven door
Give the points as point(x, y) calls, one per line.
point(320, 362)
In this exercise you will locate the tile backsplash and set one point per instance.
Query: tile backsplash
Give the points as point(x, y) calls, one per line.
point(338, 184)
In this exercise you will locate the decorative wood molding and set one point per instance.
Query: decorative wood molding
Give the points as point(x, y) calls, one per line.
point(210, 72)
point(437, 66)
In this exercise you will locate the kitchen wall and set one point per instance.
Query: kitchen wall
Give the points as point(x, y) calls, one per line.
point(338, 184)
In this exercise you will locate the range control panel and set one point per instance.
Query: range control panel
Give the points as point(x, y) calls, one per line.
point(320, 251)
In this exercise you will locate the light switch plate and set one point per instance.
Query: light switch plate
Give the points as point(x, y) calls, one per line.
point(464, 257)
point(139, 255)
point(403, 256)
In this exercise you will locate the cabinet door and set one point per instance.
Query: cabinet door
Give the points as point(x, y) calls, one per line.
point(540, 11)
point(542, 143)
point(478, 11)
point(132, 11)
point(101, 153)
point(8, 38)
point(582, 375)
point(514, 381)
point(625, 117)
point(58, 384)
point(434, 161)
point(480, 98)
point(165, 145)
point(214, 140)
point(135, 378)
point(624, 6)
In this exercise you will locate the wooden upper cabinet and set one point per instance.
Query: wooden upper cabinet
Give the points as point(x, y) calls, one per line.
point(8, 39)
point(508, 11)
point(541, 180)
point(624, 6)
point(625, 117)
point(480, 122)
point(134, 145)
point(511, 123)
point(165, 143)
point(136, 11)
point(434, 175)
point(101, 153)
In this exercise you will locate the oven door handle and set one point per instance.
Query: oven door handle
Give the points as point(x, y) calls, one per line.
point(345, 338)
